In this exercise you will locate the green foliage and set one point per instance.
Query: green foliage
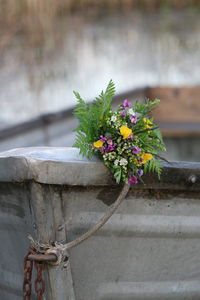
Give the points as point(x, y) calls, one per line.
point(117, 172)
point(91, 117)
point(152, 142)
point(145, 108)
point(102, 103)
point(153, 166)
point(127, 140)
point(81, 142)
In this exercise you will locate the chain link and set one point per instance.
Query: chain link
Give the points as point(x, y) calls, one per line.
point(28, 267)
point(39, 282)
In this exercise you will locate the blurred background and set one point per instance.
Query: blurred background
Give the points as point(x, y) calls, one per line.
point(48, 48)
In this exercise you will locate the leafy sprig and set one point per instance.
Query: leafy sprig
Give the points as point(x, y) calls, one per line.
point(127, 139)
point(91, 117)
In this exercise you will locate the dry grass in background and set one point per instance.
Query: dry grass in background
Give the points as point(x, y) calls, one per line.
point(44, 10)
point(22, 15)
point(33, 21)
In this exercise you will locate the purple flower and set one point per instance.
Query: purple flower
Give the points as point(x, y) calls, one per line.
point(110, 148)
point(136, 150)
point(140, 172)
point(123, 113)
point(129, 181)
point(102, 138)
point(101, 149)
point(133, 119)
point(126, 103)
point(133, 179)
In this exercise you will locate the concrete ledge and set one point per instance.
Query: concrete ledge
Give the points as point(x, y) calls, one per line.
point(64, 166)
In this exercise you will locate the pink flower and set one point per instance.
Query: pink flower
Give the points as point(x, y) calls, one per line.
point(109, 142)
point(136, 150)
point(101, 149)
point(133, 119)
point(126, 103)
point(123, 113)
point(110, 148)
point(102, 138)
point(133, 179)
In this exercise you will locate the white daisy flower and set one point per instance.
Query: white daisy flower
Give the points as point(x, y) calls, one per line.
point(123, 162)
point(131, 112)
point(116, 162)
point(113, 118)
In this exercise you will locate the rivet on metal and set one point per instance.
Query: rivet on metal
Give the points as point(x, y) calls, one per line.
point(192, 179)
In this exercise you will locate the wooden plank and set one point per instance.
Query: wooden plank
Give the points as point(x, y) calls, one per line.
point(178, 104)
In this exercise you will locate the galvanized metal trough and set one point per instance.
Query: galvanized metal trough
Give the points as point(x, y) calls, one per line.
point(149, 249)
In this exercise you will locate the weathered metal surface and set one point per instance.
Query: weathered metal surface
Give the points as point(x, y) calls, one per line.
point(48, 216)
point(64, 166)
point(15, 225)
point(149, 249)
point(183, 148)
point(180, 130)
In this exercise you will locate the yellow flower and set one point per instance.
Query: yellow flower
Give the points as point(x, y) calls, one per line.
point(146, 157)
point(135, 161)
point(125, 132)
point(98, 144)
point(148, 123)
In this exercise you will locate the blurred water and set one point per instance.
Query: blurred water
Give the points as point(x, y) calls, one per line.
point(83, 53)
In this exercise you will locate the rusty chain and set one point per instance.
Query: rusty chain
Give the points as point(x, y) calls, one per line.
point(39, 282)
point(28, 267)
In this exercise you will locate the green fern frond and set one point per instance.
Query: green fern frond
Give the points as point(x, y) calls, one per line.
point(82, 144)
point(90, 116)
point(145, 108)
point(153, 166)
point(103, 101)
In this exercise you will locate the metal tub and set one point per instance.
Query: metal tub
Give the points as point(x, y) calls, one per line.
point(149, 249)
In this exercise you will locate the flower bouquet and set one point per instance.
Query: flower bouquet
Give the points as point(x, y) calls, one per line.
point(126, 139)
